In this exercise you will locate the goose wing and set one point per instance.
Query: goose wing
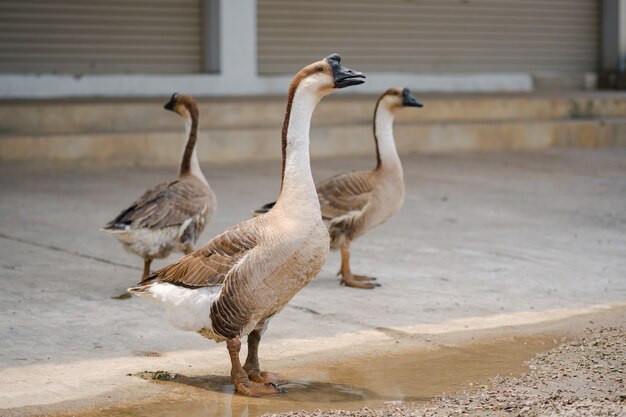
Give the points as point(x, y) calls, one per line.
point(338, 195)
point(167, 204)
point(345, 193)
point(209, 265)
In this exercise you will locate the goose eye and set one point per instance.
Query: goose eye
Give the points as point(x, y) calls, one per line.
point(320, 68)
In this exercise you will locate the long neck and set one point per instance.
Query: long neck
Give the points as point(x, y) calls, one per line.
point(386, 152)
point(297, 183)
point(189, 163)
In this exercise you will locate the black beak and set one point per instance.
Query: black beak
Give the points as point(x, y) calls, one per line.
point(408, 100)
point(344, 77)
point(170, 104)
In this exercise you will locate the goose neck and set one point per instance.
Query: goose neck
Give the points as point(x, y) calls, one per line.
point(386, 152)
point(189, 163)
point(297, 181)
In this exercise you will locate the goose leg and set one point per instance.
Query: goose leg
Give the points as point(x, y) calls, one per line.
point(146, 268)
point(252, 367)
point(238, 375)
point(350, 280)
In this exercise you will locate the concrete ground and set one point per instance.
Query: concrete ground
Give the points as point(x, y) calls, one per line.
point(484, 240)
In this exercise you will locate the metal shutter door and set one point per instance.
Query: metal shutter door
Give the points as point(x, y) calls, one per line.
point(100, 36)
point(431, 36)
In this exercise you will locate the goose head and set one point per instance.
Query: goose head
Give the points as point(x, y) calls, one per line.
point(396, 98)
point(183, 105)
point(324, 76)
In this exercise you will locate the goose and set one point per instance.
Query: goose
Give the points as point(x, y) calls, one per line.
point(355, 202)
point(172, 215)
point(232, 286)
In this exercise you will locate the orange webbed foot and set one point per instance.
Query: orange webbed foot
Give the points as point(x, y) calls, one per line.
point(255, 389)
point(359, 281)
point(363, 278)
point(267, 378)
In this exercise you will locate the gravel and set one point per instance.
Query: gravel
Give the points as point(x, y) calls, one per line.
point(582, 377)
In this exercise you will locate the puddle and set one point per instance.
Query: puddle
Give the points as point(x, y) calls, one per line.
point(413, 376)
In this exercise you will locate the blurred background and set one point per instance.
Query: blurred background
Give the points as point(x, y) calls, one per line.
point(84, 80)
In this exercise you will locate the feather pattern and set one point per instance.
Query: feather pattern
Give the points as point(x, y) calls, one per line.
point(344, 193)
point(209, 265)
point(167, 204)
point(346, 202)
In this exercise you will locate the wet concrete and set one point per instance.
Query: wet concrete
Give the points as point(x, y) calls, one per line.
point(410, 376)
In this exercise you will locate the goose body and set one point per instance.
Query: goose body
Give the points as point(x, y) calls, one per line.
point(170, 216)
point(232, 286)
point(244, 276)
point(353, 203)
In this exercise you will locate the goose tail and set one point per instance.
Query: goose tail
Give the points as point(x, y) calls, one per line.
point(113, 227)
point(139, 290)
point(264, 209)
point(144, 286)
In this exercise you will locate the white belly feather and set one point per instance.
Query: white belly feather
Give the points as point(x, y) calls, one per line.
point(186, 308)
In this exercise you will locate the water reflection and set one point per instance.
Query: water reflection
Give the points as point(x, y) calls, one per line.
point(412, 376)
point(220, 399)
point(295, 391)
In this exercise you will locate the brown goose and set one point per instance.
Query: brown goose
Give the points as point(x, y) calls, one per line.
point(171, 216)
point(232, 286)
point(355, 202)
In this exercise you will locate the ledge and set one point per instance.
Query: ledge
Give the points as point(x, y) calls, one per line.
point(19, 86)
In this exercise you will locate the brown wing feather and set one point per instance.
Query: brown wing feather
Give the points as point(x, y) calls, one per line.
point(344, 193)
point(209, 265)
point(167, 204)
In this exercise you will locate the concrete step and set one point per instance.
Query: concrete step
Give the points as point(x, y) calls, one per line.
point(148, 115)
point(232, 129)
point(326, 141)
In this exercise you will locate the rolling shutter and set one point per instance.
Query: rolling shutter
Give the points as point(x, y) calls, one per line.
point(100, 36)
point(431, 36)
